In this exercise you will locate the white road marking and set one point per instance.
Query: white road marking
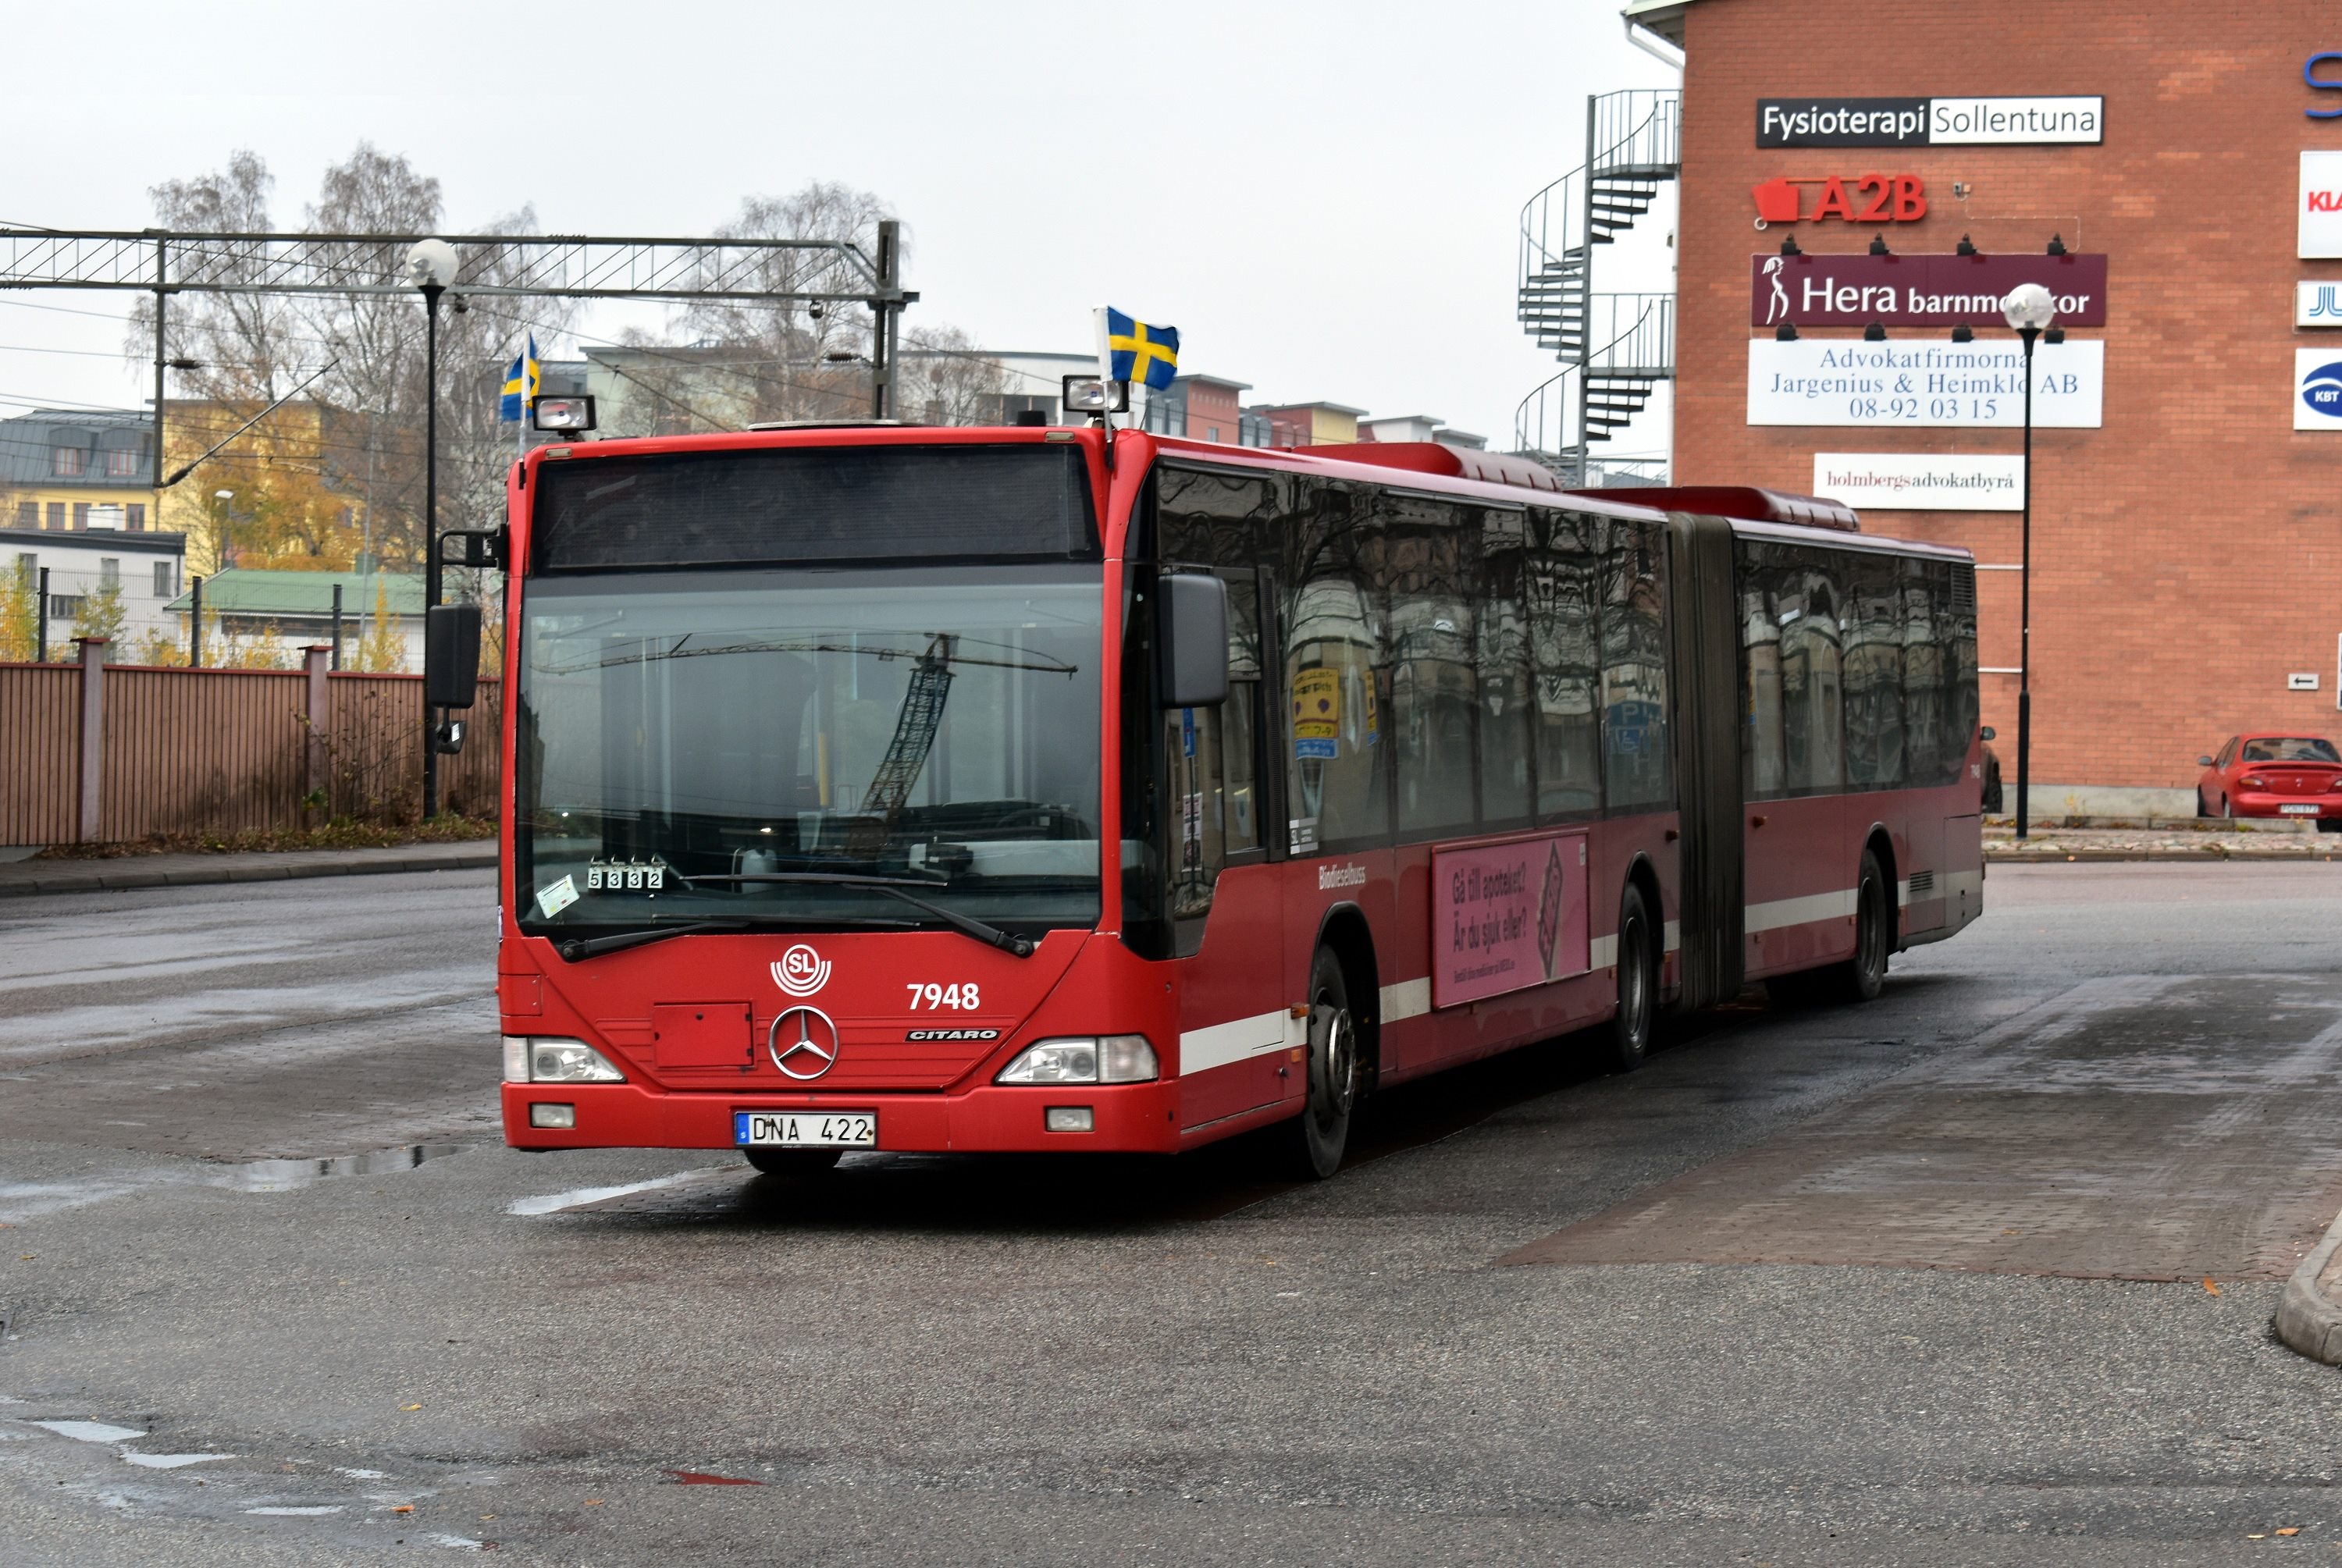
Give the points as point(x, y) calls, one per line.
point(576, 1197)
point(170, 1460)
point(318, 1512)
point(89, 1430)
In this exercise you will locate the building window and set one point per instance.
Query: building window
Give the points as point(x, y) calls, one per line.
point(29, 514)
point(109, 571)
point(120, 461)
point(164, 586)
point(81, 515)
point(57, 514)
point(135, 515)
point(27, 562)
point(63, 606)
point(65, 462)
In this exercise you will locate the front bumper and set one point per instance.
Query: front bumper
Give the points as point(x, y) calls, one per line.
point(1132, 1118)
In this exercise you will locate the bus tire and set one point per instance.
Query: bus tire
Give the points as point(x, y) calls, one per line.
point(1638, 983)
point(1316, 1138)
point(795, 1162)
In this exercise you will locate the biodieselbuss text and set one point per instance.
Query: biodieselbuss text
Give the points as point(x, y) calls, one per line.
point(997, 789)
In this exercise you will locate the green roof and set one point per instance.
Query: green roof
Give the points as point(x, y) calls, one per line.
point(242, 592)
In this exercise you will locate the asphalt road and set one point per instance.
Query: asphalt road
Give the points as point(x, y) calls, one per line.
point(1923, 1281)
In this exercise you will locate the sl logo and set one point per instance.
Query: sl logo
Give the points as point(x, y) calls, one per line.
point(801, 971)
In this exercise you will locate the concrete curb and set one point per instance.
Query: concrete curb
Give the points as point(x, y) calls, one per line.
point(113, 877)
point(2062, 856)
point(2310, 1318)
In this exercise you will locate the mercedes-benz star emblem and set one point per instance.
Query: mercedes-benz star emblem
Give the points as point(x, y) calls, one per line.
point(803, 1043)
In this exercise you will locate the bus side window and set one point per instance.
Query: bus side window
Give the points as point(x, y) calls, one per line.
point(1334, 652)
point(1764, 762)
point(1215, 806)
point(1803, 587)
point(1432, 686)
point(1929, 673)
point(1635, 767)
point(1564, 585)
point(1874, 673)
point(1959, 630)
point(1502, 653)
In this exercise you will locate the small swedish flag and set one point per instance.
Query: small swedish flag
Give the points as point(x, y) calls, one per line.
point(520, 385)
point(1138, 352)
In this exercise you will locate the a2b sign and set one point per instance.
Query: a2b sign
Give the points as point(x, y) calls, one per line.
point(1865, 199)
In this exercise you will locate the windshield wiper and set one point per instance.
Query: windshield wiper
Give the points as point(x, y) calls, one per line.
point(576, 948)
point(579, 947)
point(893, 887)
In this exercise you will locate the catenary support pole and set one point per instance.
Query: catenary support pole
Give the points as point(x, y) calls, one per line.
point(2025, 607)
point(431, 293)
point(161, 262)
point(40, 619)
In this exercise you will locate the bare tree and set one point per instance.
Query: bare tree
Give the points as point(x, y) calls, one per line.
point(943, 379)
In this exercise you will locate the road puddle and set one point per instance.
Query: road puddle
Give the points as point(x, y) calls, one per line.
point(285, 1175)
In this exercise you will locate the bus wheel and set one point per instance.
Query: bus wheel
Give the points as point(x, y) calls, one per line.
point(1874, 917)
point(1638, 983)
point(1318, 1135)
point(799, 1163)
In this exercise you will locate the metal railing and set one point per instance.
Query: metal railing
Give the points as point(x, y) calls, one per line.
point(1638, 132)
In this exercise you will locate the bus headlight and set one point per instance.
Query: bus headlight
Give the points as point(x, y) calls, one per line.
point(1100, 1059)
point(536, 1061)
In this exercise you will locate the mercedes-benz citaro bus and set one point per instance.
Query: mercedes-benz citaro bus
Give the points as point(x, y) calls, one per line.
point(876, 787)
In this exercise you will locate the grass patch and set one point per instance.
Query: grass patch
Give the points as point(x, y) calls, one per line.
point(343, 834)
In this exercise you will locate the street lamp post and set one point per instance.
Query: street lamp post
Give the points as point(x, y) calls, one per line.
point(430, 267)
point(2028, 308)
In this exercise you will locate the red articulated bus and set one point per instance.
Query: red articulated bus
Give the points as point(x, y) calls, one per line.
point(1018, 789)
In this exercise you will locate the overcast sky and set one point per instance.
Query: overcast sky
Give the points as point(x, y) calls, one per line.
point(1321, 198)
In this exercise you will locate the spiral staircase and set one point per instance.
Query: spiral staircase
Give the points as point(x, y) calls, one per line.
point(1615, 349)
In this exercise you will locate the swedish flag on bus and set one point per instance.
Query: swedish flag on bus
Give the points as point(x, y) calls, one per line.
point(520, 385)
point(1138, 352)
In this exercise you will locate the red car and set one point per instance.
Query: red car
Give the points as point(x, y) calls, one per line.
point(2273, 776)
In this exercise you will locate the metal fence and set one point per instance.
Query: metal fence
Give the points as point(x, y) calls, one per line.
point(96, 752)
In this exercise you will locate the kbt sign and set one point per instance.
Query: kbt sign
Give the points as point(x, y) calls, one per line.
point(2317, 389)
point(1865, 199)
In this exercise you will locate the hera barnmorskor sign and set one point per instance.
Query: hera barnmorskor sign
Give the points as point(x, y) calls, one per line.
point(1855, 290)
point(1920, 385)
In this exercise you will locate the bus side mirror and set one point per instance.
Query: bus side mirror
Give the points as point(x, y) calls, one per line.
point(1987, 731)
point(1192, 640)
point(451, 656)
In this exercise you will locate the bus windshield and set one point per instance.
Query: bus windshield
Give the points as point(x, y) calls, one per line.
point(683, 735)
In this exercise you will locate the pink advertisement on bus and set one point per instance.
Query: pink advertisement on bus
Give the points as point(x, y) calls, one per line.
point(1506, 917)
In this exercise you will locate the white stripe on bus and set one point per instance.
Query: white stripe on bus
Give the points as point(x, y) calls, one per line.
point(1218, 1045)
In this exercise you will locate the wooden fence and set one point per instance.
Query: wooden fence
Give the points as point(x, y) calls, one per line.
point(92, 752)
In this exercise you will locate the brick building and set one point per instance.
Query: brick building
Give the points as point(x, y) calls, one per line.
point(2186, 550)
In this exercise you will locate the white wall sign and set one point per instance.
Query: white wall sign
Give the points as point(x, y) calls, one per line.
point(2013, 122)
point(2318, 388)
point(2319, 207)
point(1919, 384)
point(2317, 304)
point(1921, 481)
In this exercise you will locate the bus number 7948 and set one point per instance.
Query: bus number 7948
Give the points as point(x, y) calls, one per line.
point(933, 997)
